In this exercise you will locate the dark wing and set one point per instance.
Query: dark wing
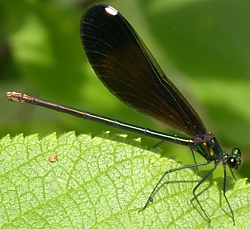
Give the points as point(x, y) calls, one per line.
point(127, 68)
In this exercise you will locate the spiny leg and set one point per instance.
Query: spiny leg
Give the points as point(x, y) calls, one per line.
point(224, 189)
point(198, 185)
point(167, 172)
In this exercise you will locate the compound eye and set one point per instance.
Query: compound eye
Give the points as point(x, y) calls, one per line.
point(233, 163)
point(236, 152)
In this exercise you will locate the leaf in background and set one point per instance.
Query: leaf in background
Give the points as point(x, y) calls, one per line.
point(201, 45)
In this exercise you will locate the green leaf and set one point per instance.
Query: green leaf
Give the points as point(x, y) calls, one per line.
point(103, 183)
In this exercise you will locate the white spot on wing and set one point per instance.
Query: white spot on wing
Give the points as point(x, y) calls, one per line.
point(110, 10)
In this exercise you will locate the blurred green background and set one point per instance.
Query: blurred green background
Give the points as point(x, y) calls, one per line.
point(203, 46)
